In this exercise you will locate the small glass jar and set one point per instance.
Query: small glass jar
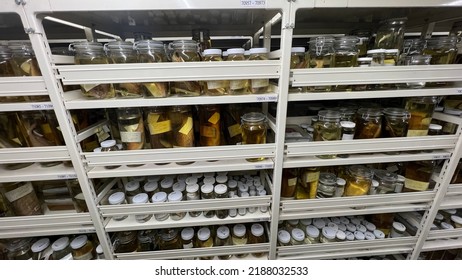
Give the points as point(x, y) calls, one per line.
point(297, 237)
point(346, 51)
point(312, 235)
point(19, 249)
point(289, 183)
point(176, 196)
point(447, 213)
point(185, 51)
point(180, 186)
point(359, 180)
point(150, 188)
point(141, 199)
point(369, 235)
point(132, 188)
point(418, 175)
point(254, 129)
point(182, 126)
point(327, 128)
point(239, 237)
point(391, 57)
point(207, 193)
point(146, 241)
point(118, 198)
point(321, 55)
point(348, 130)
point(359, 235)
point(192, 193)
point(378, 57)
point(150, 51)
point(170, 239)
point(319, 223)
point(125, 242)
point(390, 34)
point(238, 86)
point(297, 61)
point(204, 240)
point(41, 249)
point(351, 227)
point(218, 87)
point(166, 185)
point(22, 198)
point(327, 185)
point(109, 146)
point(439, 218)
point(456, 221)
point(368, 124)
point(340, 236)
point(421, 109)
point(158, 198)
point(257, 235)
point(417, 60)
point(187, 238)
point(258, 86)
point(160, 127)
point(131, 128)
point(387, 181)
point(328, 235)
point(445, 225)
point(378, 234)
point(210, 125)
point(396, 122)
point(397, 230)
point(61, 249)
point(92, 53)
point(223, 238)
point(100, 253)
point(221, 191)
point(443, 50)
point(82, 248)
point(340, 189)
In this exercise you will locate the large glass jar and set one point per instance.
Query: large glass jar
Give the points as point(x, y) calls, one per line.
point(125, 242)
point(232, 126)
point(395, 122)
point(122, 52)
point(131, 127)
point(387, 181)
point(210, 125)
point(442, 49)
point(289, 183)
point(237, 86)
point(169, 239)
point(186, 51)
point(23, 60)
point(359, 180)
point(182, 126)
point(327, 128)
point(219, 87)
point(418, 175)
point(150, 51)
point(19, 249)
point(421, 109)
point(308, 183)
point(390, 34)
point(6, 68)
point(297, 61)
point(22, 198)
point(346, 51)
point(327, 185)
point(259, 85)
point(92, 53)
point(254, 128)
point(368, 124)
point(160, 127)
point(321, 55)
point(61, 249)
point(82, 248)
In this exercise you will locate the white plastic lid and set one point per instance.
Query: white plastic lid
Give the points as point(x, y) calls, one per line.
point(298, 234)
point(283, 236)
point(187, 233)
point(312, 231)
point(335, 220)
point(221, 179)
point(239, 230)
point(132, 185)
point(359, 235)
point(257, 230)
point(392, 51)
point(166, 183)
point(212, 52)
point(340, 235)
point(445, 225)
point(342, 227)
point(154, 178)
point(344, 220)
point(225, 53)
point(192, 188)
point(375, 183)
point(60, 244)
point(120, 146)
point(150, 186)
point(456, 219)
point(341, 182)
point(350, 236)
point(40, 245)
point(434, 126)
point(175, 196)
point(223, 232)
point(399, 226)
point(246, 52)
point(116, 198)
point(450, 211)
point(371, 227)
point(232, 184)
point(243, 188)
point(329, 233)
point(355, 221)
point(261, 192)
point(99, 249)
point(138, 178)
point(333, 226)
point(293, 222)
point(379, 234)
point(221, 189)
point(365, 59)
point(245, 194)
point(369, 235)
point(361, 228)
point(79, 242)
point(209, 180)
point(182, 177)
point(376, 51)
point(207, 188)
point(179, 186)
point(347, 124)
point(258, 50)
point(454, 112)
point(298, 49)
point(351, 227)
point(306, 222)
point(191, 180)
point(319, 223)
point(140, 198)
point(203, 234)
point(235, 51)
point(159, 197)
point(209, 174)
point(97, 150)
point(108, 143)
point(439, 216)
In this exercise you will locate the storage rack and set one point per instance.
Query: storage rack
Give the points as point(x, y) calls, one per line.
point(294, 18)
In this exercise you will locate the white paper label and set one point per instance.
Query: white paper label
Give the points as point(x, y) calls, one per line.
point(237, 84)
point(215, 84)
point(347, 136)
point(67, 257)
point(19, 192)
point(416, 185)
point(266, 98)
point(253, 3)
point(130, 137)
point(41, 106)
point(259, 83)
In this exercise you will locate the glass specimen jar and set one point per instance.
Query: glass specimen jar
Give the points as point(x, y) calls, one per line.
point(204, 240)
point(218, 87)
point(223, 238)
point(131, 188)
point(221, 191)
point(232, 124)
point(207, 193)
point(41, 249)
point(254, 128)
point(170, 239)
point(377, 56)
point(141, 198)
point(192, 193)
point(391, 57)
point(61, 249)
point(443, 50)
point(92, 53)
point(390, 34)
point(321, 55)
point(346, 51)
point(118, 198)
point(297, 61)
point(6, 68)
point(368, 124)
point(150, 51)
point(421, 109)
point(19, 249)
point(23, 58)
point(185, 51)
point(309, 179)
point(237, 86)
point(187, 238)
point(397, 230)
point(297, 236)
point(166, 185)
point(202, 37)
point(328, 235)
point(82, 248)
point(210, 125)
point(289, 183)
point(146, 240)
point(22, 198)
point(239, 237)
point(182, 126)
point(176, 197)
point(159, 127)
point(456, 221)
point(131, 127)
point(340, 189)
point(312, 234)
point(359, 180)
point(257, 235)
point(259, 85)
point(150, 188)
point(387, 181)
point(125, 242)
point(158, 198)
point(418, 175)
point(283, 238)
point(122, 52)
point(327, 128)
point(395, 122)
point(327, 185)
point(108, 146)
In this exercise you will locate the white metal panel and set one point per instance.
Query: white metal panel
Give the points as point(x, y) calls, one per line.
point(62, 59)
point(37, 154)
point(445, 234)
point(398, 3)
point(36, 172)
point(17, 86)
point(25, 106)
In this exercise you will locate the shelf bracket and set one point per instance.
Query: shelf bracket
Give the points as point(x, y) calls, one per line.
point(20, 2)
point(289, 26)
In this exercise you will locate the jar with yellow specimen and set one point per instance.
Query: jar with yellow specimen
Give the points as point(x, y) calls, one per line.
point(297, 61)
point(368, 123)
point(82, 248)
point(6, 70)
point(308, 183)
point(418, 175)
point(254, 128)
point(327, 128)
point(237, 86)
point(232, 124)
point(92, 53)
point(22, 198)
point(210, 125)
point(289, 183)
point(219, 87)
point(443, 50)
point(346, 51)
point(204, 240)
point(259, 85)
point(390, 34)
point(223, 238)
point(150, 51)
point(185, 51)
point(131, 127)
point(359, 180)
point(396, 122)
point(321, 55)
point(159, 127)
point(421, 109)
point(239, 238)
point(182, 126)
point(257, 235)
point(122, 52)
point(23, 60)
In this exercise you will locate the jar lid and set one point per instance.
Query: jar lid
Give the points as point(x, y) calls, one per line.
point(392, 51)
point(207, 188)
point(166, 183)
point(328, 178)
point(445, 225)
point(450, 211)
point(434, 126)
point(333, 225)
point(258, 50)
point(140, 198)
point(397, 112)
point(148, 44)
point(385, 176)
point(209, 180)
point(340, 235)
point(212, 52)
point(366, 113)
point(99, 249)
point(374, 51)
point(365, 59)
point(379, 234)
point(60, 244)
point(132, 186)
point(439, 217)
point(312, 231)
point(209, 174)
point(344, 220)
point(361, 228)
point(329, 233)
point(257, 230)
point(191, 180)
point(79, 242)
point(261, 192)
point(154, 178)
point(235, 51)
point(347, 40)
point(203, 234)
point(298, 234)
point(351, 227)
point(225, 53)
point(369, 235)
point(192, 188)
point(347, 124)
point(375, 183)
point(451, 111)
point(341, 182)
point(399, 226)
point(253, 117)
point(350, 236)
point(320, 40)
point(342, 227)
point(221, 189)
point(97, 150)
point(245, 194)
point(116, 198)
point(108, 143)
point(283, 236)
point(246, 53)
point(319, 223)
point(239, 230)
point(159, 197)
point(327, 115)
point(360, 170)
point(298, 50)
point(222, 179)
point(175, 196)
point(355, 221)
point(119, 45)
point(187, 233)
point(40, 245)
point(293, 222)
point(306, 222)
point(359, 235)
point(370, 226)
point(232, 184)
point(84, 45)
point(178, 44)
point(150, 186)
point(179, 186)
point(456, 219)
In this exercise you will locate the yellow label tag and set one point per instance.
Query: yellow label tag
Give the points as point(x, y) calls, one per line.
point(417, 132)
point(416, 185)
point(214, 118)
point(46, 129)
point(153, 118)
point(311, 177)
point(208, 131)
point(160, 127)
point(234, 130)
point(187, 127)
point(292, 182)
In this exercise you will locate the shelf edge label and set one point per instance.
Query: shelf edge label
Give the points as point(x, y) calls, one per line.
point(41, 106)
point(253, 3)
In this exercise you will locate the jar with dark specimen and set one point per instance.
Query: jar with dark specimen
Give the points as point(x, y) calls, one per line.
point(182, 126)
point(202, 37)
point(6, 70)
point(150, 51)
point(346, 51)
point(160, 127)
point(218, 87)
point(390, 34)
point(421, 109)
point(257, 235)
point(359, 180)
point(186, 51)
point(368, 124)
point(131, 128)
point(176, 197)
point(223, 238)
point(125, 242)
point(170, 239)
point(41, 249)
point(259, 85)
point(289, 183)
point(141, 199)
point(221, 191)
point(207, 193)
point(22, 198)
point(19, 249)
point(395, 122)
point(232, 124)
point(132, 188)
point(237, 86)
point(387, 181)
point(82, 248)
point(61, 249)
point(254, 129)
point(418, 175)
point(210, 125)
point(327, 185)
point(92, 53)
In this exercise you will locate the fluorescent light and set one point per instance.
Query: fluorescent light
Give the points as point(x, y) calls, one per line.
point(78, 26)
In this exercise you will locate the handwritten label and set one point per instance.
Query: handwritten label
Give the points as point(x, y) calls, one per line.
point(266, 98)
point(67, 176)
point(264, 166)
point(459, 90)
point(41, 106)
point(253, 3)
point(441, 157)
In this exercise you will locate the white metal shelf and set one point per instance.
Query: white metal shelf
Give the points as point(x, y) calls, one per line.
point(357, 205)
point(453, 198)
point(347, 249)
point(36, 172)
point(443, 240)
point(23, 86)
point(25, 106)
point(37, 154)
point(131, 224)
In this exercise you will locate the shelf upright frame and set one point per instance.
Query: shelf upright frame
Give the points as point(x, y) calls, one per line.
point(34, 28)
